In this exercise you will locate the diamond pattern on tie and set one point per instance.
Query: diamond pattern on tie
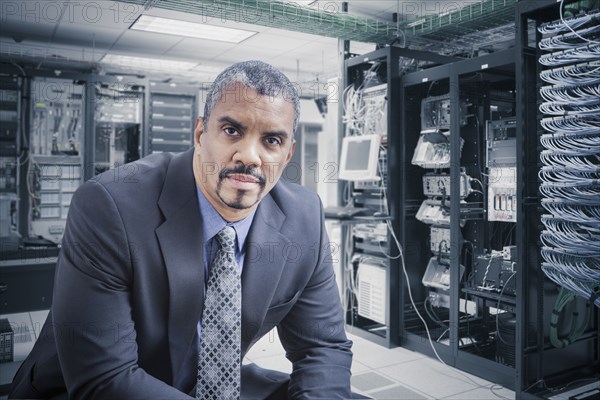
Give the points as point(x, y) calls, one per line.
point(219, 360)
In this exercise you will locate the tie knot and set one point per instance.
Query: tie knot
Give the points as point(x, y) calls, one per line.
point(226, 238)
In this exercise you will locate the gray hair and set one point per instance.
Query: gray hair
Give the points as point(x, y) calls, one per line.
point(265, 79)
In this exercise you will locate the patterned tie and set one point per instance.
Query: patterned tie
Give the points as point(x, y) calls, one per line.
point(220, 354)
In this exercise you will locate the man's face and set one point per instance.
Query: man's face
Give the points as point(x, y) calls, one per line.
point(246, 145)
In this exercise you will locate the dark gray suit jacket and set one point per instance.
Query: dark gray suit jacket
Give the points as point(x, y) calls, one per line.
point(129, 290)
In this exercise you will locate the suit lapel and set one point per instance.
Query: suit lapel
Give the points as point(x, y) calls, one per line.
point(180, 238)
point(263, 265)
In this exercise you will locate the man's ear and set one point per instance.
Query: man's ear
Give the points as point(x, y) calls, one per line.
point(198, 130)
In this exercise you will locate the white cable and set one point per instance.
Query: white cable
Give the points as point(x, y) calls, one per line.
point(564, 25)
point(571, 55)
point(583, 288)
point(560, 10)
point(565, 41)
point(587, 73)
point(570, 172)
point(576, 95)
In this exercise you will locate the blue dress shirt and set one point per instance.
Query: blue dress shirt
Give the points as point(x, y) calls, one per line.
point(212, 223)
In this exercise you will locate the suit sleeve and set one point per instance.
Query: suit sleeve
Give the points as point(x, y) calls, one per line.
point(93, 326)
point(313, 335)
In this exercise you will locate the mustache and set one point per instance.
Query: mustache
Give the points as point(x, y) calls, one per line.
point(245, 170)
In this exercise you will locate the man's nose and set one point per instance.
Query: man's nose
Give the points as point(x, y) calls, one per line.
point(248, 152)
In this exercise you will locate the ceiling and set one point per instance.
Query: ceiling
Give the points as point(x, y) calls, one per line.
point(58, 34)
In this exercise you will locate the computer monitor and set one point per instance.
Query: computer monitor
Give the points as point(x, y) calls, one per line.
point(359, 158)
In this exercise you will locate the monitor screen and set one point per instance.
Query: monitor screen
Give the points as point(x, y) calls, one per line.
point(359, 158)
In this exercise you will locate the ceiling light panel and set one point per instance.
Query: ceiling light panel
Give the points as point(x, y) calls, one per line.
point(144, 63)
point(169, 26)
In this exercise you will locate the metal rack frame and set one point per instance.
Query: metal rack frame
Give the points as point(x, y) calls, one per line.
point(451, 353)
point(390, 56)
point(539, 365)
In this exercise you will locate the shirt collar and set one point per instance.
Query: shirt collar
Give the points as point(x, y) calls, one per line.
point(212, 222)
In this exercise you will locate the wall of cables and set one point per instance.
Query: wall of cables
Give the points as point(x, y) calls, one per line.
point(570, 160)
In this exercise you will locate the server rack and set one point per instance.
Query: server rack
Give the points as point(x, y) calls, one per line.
point(116, 118)
point(498, 314)
point(54, 162)
point(450, 310)
point(372, 316)
point(544, 370)
point(10, 148)
point(172, 115)
point(369, 238)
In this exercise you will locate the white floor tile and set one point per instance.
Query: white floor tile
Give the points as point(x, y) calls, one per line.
point(371, 380)
point(430, 377)
point(397, 392)
point(277, 363)
point(376, 356)
point(495, 392)
point(358, 367)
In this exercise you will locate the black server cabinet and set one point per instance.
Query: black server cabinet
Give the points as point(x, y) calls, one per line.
point(545, 370)
point(485, 300)
point(370, 258)
point(370, 274)
point(457, 215)
point(172, 115)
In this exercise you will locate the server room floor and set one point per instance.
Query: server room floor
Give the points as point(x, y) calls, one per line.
point(377, 372)
point(396, 373)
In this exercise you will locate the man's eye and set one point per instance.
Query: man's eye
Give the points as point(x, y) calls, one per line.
point(273, 140)
point(230, 131)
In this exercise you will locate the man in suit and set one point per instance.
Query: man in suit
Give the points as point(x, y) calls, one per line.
point(126, 317)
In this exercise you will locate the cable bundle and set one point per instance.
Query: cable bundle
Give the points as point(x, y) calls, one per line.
point(563, 161)
point(570, 40)
point(585, 289)
point(575, 92)
point(578, 326)
point(572, 142)
point(570, 56)
point(580, 267)
point(362, 118)
point(586, 195)
point(568, 24)
point(572, 95)
point(353, 111)
point(563, 178)
point(586, 233)
point(582, 214)
point(572, 241)
point(552, 108)
point(570, 171)
point(587, 73)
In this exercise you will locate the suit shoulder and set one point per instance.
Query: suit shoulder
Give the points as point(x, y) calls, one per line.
point(139, 179)
point(291, 196)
